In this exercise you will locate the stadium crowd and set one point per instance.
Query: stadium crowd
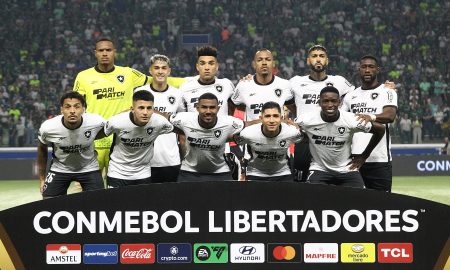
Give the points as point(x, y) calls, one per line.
point(47, 42)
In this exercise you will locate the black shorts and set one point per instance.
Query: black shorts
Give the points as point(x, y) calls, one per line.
point(186, 176)
point(377, 175)
point(117, 183)
point(57, 183)
point(350, 179)
point(281, 178)
point(165, 174)
point(302, 160)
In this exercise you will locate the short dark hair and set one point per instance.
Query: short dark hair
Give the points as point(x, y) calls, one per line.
point(208, 96)
point(74, 95)
point(207, 51)
point(369, 56)
point(270, 105)
point(329, 89)
point(317, 47)
point(143, 95)
point(103, 39)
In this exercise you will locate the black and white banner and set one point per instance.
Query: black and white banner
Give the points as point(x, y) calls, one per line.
point(227, 225)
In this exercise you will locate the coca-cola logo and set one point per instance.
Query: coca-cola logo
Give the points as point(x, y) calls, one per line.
point(137, 253)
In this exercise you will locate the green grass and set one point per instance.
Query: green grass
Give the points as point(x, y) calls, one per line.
point(434, 188)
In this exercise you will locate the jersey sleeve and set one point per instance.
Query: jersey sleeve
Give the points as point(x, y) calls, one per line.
point(42, 134)
point(391, 99)
point(345, 104)
point(241, 137)
point(167, 127)
point(175, 81)
point(237, 98)
point(346, 87)
point(139, 78)
point(109, 127)
point(78, 85)
point(177, 119)
point(236, 124)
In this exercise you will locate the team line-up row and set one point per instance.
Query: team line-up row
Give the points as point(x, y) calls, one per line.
point(144, 147)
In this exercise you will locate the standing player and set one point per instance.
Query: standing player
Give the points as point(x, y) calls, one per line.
point(250, 95)
point(72, 136)
point(206, 132)
point(134, 135)
point(330, 133)
point(268, 144)
point(166, 157)
point(207, 67)
point(373, 102)
point(306, 91)
point(108, 89)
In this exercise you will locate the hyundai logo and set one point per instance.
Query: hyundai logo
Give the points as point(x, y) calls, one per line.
point(247, 250)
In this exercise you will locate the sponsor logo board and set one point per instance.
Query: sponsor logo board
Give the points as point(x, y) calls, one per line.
point(284, 253)
point(210, 253)
point(321, 253)
point(63, 253)
point(358, 252)
point(137, 253)
point(247, 253)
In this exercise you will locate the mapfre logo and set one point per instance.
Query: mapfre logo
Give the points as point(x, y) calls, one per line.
point(395, 253)
point(137, 253)
point(321, 253)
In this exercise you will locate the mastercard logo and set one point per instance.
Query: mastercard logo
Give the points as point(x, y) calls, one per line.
point(284, 253)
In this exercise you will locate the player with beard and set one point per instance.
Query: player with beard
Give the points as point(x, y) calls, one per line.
point(71, 136)
point(206, 133)
point(166, 156)
point(134, 132)
point(373, 102)
point(306, 90)
point(330, 133)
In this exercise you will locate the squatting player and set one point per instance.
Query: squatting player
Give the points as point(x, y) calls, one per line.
point(166, 156)
point(330, 133)
point(134, 135)
point(72, 136)
point(206, 133)
point(373, 102)
point(268, 144)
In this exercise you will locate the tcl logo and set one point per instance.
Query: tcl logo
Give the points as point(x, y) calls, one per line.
point(395, 253)
point(137, 253)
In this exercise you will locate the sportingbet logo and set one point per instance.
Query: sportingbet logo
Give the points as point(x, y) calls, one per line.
point(137, 253)
point(100, 254)
point(211, 253)
point(395, 253)
point(284, 253)
point(247, 253)
point(358, 252)
point(321, 253)
point(63, 254)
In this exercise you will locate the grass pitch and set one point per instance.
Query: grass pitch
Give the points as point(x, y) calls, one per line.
point(434, 188)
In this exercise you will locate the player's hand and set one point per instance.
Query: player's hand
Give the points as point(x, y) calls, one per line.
point(41, 188)
point(356, 162)
point(363, 118)
point(247, 77)
point(290, 122)
point(390, 85)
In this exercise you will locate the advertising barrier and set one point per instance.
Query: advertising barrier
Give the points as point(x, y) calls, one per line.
point(227, 225)
point(427, 165)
